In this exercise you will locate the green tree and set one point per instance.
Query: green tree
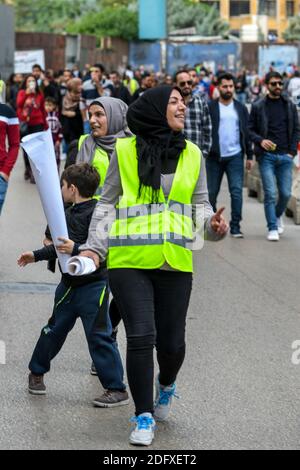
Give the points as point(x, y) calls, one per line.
point(48, 15)
point(292, 33)
point(204, 18)
point(118, 21)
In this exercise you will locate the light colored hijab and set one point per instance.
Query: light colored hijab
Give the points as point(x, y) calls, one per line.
point(115, 111)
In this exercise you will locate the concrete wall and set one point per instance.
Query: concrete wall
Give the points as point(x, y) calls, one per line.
point(7, 41)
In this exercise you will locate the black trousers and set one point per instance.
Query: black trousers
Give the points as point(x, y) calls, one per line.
point(153, 305)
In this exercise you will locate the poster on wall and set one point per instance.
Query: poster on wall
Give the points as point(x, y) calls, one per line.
point(277, 57)
point(24, 60)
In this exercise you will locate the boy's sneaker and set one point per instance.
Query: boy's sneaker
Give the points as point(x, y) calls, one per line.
point(163, 400)
point(280, 225)
point(237, 234)
point(36, 384)
point(112, 398)
point(93, 370)
point(273, 236)
point(143, 433)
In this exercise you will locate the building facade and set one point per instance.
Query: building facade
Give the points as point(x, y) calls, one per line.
point(239, 13)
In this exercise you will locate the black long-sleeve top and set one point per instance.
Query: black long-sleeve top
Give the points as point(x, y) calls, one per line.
point(78, 218)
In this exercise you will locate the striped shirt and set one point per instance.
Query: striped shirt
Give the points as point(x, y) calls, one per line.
point(198, 127)
point(9, 128)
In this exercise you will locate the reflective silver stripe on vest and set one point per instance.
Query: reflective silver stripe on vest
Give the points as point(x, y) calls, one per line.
point(140, 210)
point(151, 209)
point(180, 208)
point(149, 239)
point(178, 240)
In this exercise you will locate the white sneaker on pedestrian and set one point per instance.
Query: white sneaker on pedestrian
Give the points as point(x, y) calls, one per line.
point(143, 433)
point(273, 236)
point(280, 225)
point(163, 400)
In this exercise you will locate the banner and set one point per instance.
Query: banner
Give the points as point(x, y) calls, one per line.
point(24, 60)
point(40, 150)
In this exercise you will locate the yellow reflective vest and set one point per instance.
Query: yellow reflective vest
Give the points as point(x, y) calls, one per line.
point(146, 235)
point(100, 163)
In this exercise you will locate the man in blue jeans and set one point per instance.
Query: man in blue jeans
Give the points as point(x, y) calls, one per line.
point(274, 129)
point(9, 133)
point(230, 142)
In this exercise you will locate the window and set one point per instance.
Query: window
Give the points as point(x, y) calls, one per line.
point(270, 8)
point(290, 9)
point(238, 8)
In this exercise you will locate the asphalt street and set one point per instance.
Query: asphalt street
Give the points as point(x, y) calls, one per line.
point(238, 386)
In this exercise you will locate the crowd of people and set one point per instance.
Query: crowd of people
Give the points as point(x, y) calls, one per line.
point(145, 158)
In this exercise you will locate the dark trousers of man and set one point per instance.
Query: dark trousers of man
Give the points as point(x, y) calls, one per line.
point(90, 303)
point(153, 305)
point(234, 169)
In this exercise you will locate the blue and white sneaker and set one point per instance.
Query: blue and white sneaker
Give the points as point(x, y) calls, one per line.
point(163, 400)
point(143, 434)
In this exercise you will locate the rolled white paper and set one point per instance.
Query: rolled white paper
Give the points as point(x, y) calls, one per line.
point(80, 266)
point(40, 150)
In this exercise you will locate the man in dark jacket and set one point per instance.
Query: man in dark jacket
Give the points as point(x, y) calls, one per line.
point(230, 142)
point(274, 129)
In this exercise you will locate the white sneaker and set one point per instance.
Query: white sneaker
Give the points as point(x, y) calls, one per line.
point(163, 400)
point(143, 434)
point(280, 225)
point(273, 236)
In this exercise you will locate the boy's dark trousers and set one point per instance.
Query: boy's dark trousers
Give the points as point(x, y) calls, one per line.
point(90, 303)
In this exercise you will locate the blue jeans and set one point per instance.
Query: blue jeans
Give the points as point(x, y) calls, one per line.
point(276, 168)
point(234, 169)
point(3, 189)
point(83, 302)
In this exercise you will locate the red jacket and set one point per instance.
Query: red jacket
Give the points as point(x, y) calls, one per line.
point(31, 108)
point(9, 128)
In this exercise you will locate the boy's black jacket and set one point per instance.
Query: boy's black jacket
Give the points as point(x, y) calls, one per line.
point(78, 217)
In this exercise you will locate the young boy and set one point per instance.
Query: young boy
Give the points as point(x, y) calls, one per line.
point(52, 118)
point(79, 296)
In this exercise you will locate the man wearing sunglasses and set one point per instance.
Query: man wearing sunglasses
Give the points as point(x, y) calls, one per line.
point(197, 127)
point(274, 129)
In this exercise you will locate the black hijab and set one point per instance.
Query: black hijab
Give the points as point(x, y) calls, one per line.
point(158, 146)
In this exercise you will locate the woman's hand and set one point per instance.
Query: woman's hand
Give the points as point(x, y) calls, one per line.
point(66, 247)
point(26, 258)
point(218, 223)
point(92, 255)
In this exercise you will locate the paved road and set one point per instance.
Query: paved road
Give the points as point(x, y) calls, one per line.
point(238, 387)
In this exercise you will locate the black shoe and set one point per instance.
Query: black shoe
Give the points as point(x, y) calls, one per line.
point(111, 399)
point(36, 384)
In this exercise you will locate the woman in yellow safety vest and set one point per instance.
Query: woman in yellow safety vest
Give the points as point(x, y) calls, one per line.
point(153, 202)
point(107, 118)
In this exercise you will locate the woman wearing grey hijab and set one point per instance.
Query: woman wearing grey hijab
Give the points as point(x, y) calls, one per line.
point(107, 118)
point(108, 123)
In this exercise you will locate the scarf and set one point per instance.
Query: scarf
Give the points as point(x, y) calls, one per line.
point(115, 111)
point(158, 146)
